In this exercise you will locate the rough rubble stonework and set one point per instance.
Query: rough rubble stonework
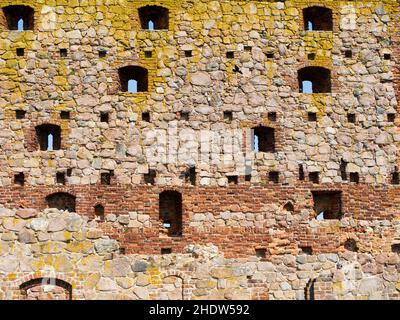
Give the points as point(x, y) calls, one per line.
point(243, 223)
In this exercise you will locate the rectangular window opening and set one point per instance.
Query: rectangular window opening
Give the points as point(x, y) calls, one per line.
point(232, 179)
point(150, 177)
point(354, 177)
point(60, 178)
point(327, 204)
point(105, 177)
point(273, 176)
point(314, 177)
point(301, 172)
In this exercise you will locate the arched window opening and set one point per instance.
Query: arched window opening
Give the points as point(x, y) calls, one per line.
point(288, 207)
point(314, 80)
point(170, 206)
point(61, 201)
point(48, 137)
point(99, 212)
point(19, 17)
point(46, 289)
point(351, 245)
point(133, 79)
point(327, 204)
point(263, 139)
point(154, 18)
point(318, 19)
point(395, 248)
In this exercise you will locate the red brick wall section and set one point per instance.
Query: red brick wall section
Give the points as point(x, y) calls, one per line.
point(360, 202)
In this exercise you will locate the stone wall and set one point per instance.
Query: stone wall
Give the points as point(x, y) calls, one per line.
point(58, 255)
point(246, 225)
point(269, 45)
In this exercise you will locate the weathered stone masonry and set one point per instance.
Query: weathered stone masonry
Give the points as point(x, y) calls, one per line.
point(208, 68)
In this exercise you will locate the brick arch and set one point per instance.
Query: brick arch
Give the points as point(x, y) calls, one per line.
point(334, 14)
point(319, 288)
point(46, 289)
point(150, 67)
point(18, 284)
point(180, 275)
point(30, 133)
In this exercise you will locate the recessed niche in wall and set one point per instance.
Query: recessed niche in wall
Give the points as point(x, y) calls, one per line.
point(354, 177)
point(60, 178)
point(311, 56)
point(391, 117)
point(65, 115)
point(273, 176)
point(327, 204)
point(261, 253)
point(232, 179)
point(19, 179)
point(104, 117)
point(230, 55)
point(272, 116)
point(228, 116)
point(184, 116)
point(314, 177)
point(146, 116)
point(150, 177)
point(102, 53)
point(348, 54)
point(20, 114)
point(20, 52)
point(311, 116)
point(63, 53)
point(351, 118)
point(105, 177)
point(166, 250)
